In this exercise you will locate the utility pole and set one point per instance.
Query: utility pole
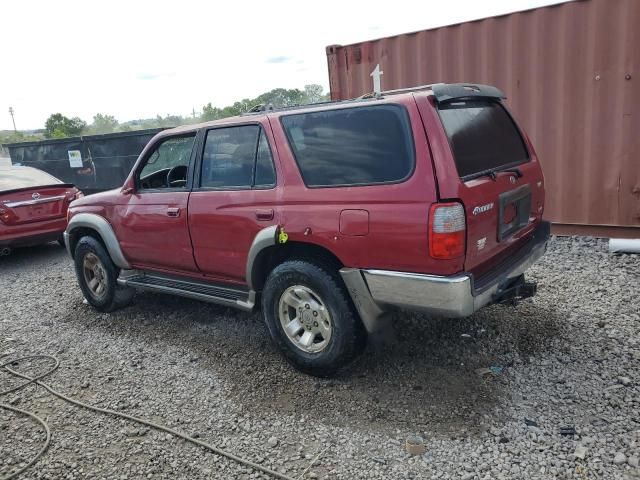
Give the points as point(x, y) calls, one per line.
point(11, 112)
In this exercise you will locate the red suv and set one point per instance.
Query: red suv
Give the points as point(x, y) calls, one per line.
point(329, 216)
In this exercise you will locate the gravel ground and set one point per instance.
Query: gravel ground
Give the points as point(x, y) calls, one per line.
point(567, 358)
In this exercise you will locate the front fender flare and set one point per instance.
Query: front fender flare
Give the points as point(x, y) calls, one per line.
point(101, 227)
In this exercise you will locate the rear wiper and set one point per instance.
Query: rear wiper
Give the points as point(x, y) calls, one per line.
point(516, 171)
point(491, 174)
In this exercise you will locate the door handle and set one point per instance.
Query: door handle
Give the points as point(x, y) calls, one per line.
point(173, 212)
point(266, 214)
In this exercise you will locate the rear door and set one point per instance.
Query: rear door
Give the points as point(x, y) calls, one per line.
point(235, 198)
point(485, 161)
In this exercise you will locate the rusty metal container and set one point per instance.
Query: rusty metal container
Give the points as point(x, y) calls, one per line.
point(571, 73)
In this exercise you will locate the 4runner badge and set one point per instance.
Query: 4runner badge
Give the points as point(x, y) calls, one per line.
point(482, 208)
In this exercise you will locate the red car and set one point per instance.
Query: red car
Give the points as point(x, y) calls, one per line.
point(33, 207)
point(329, 216)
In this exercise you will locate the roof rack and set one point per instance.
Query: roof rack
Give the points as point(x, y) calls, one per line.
point(396, 91)
point(444, 92)
point(259, 109)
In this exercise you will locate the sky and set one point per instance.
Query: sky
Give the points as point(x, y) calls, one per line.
point(138, 59)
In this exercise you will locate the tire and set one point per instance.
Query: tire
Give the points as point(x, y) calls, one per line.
point(108, 296)
point(312, 287)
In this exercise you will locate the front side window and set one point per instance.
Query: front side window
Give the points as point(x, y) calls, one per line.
point(352, 146)
point(483, 136)
point(237, 158)
point(168, 164)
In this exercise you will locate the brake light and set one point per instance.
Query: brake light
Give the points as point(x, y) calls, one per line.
point(446, 230)
point(4, 215)
point(74, 196)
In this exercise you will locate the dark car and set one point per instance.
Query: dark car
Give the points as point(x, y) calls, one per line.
point(328, 216)
point(33, 207)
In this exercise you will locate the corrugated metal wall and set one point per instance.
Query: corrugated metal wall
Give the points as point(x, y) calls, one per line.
point(572, 76)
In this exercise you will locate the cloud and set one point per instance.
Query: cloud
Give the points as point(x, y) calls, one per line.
point(154, 76)
point(280, 59)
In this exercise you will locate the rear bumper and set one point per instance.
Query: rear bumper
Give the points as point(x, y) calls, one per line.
point(32, 233)
point(460, 295)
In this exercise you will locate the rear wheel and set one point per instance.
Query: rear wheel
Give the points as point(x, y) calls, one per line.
point(97, 276)
point(310, 317)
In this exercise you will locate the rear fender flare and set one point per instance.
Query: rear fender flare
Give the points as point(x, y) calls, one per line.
point(102, 227)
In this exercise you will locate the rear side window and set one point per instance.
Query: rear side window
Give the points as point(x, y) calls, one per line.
point(352, 146)
point(238, 158)
point(483, 136)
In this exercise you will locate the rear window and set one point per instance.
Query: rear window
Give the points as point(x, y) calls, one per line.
point(14, 178)
point(352, 146)
point(483, 136)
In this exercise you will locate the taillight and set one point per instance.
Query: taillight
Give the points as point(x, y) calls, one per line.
point(4, 215)
point(74, 196)
point(446, 230)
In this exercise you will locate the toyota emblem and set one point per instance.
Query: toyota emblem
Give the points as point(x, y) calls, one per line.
point(35, 196)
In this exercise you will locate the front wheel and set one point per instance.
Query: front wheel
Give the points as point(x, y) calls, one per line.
point(310, 317)
point(97, 276)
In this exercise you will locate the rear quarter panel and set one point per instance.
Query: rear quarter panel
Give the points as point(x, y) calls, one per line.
point(398, 213)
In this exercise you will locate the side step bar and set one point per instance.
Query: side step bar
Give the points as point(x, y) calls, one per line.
point(207, 292)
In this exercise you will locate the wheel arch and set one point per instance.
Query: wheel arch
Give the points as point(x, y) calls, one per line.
point(265, 254)
point(96, 226)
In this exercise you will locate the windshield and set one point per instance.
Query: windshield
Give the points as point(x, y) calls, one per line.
point(483, 136)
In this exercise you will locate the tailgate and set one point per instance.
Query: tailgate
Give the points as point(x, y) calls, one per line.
point(485, 161)
point(35, 204)
point(499, 213)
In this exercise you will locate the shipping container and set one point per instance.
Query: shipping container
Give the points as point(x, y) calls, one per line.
point(569, 72)
point(93, 163)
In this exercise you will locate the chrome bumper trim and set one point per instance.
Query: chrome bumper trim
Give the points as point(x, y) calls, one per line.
point(35, 201)
point(446, 296)
point(377, 291)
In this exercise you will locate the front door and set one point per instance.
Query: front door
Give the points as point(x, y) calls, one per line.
point(234, 199)
point(153, 229)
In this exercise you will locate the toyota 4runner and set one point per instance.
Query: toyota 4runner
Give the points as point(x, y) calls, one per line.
point(328, 216)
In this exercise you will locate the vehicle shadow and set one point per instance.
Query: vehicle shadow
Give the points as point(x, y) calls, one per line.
point(39, 255)
point(422, 378)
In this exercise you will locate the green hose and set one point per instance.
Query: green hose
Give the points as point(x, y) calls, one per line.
point(36, 380)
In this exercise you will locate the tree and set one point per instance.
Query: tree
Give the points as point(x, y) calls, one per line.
point(314, 93)
point(59, 126)
point(103, 124)
point(209, 112)
point(7, 137)
point(277, 98)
